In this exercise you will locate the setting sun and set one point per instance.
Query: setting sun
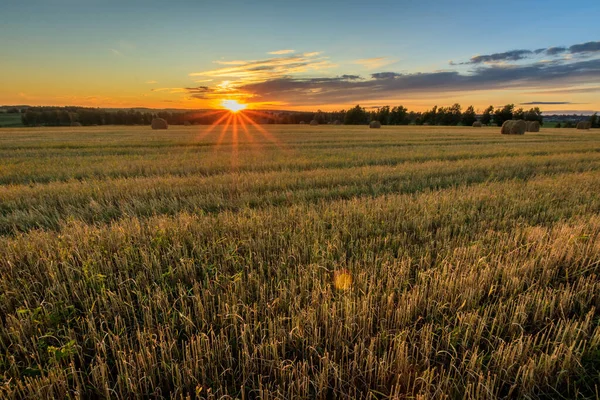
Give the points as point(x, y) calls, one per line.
point(233, 105)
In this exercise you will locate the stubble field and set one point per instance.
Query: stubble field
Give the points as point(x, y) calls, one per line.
point(187, 263)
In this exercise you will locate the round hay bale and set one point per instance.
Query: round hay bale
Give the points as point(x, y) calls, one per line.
point(302, 123)
point(513, 127)
point(337, 122)
point(505, 130)
point(519, 127)
point(533, 126)
point(477, 124)
point(584, 125)
point(375, 125)
point(76, 124)
point(159, 123)
point(314, 122)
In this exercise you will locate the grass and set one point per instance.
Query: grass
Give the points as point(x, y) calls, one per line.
point(300, 262)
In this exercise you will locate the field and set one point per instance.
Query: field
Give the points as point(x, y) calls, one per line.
point(299, 262)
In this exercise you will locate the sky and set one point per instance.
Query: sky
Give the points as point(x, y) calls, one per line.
point(301, 55)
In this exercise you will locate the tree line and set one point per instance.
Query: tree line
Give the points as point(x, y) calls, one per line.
point(447, 116)
point(398, 115)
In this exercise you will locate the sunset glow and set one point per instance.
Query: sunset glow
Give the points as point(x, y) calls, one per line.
point(233, 105)
point(114, 63)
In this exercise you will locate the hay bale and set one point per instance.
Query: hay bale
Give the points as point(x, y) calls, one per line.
point(159, 123)
point(337, 122)
point(519, 127)
point(477, 124)
point(584, 125)
point(375, 125)
point(314, 122)
point(76, 124)
point(533, 126)
point(513, 127)
point(302, 123)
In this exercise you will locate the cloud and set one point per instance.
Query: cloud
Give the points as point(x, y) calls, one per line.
point(385, 75)
point(376, 62)
point(280, 52)
point(217, 92)
point(517, 55)
point(387, 84)
point(551, 51)
point(151, 82)
point(115, 52)
point(169, 90)
point(244, 72)
point(513, 55)
point(540, 103)
point(234, 62)
point(585, 47)
point(300, 79)
point(569, 90)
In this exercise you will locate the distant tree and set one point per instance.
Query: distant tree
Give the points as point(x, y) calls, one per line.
point(534, 114)
point(468, 117)
point(415, 118)
point(430, 116)
point(13, 110)
point(558, 125)
point(486, 118)
point(519, 113)
point(356, 116)
point(594, 121)
point(569, 124)
point(383, 115)
point(399, 116)
point(454, 114)
point(320, 117)
point(503, 114)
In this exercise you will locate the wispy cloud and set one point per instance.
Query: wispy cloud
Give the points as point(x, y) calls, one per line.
point(376, 62)
point(551, 51)
point(151, 82)
point(542, 103)
point(589, 47)
point(513, 55)
point(115, 52)
point(383, 85)
point(570, 90)
point(301, 79)
point(517, 55)
point(281, 52)
point(237, 73)
point(233, 62)
point(169, 90)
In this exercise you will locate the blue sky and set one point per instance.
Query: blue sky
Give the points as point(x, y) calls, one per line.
point(151, 53)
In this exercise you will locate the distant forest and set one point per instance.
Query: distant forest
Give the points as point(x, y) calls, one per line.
point(445, 116)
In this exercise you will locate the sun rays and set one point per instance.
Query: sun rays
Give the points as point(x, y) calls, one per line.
point(239, 130)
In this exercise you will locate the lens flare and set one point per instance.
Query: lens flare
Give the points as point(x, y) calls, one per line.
point(342, 279)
